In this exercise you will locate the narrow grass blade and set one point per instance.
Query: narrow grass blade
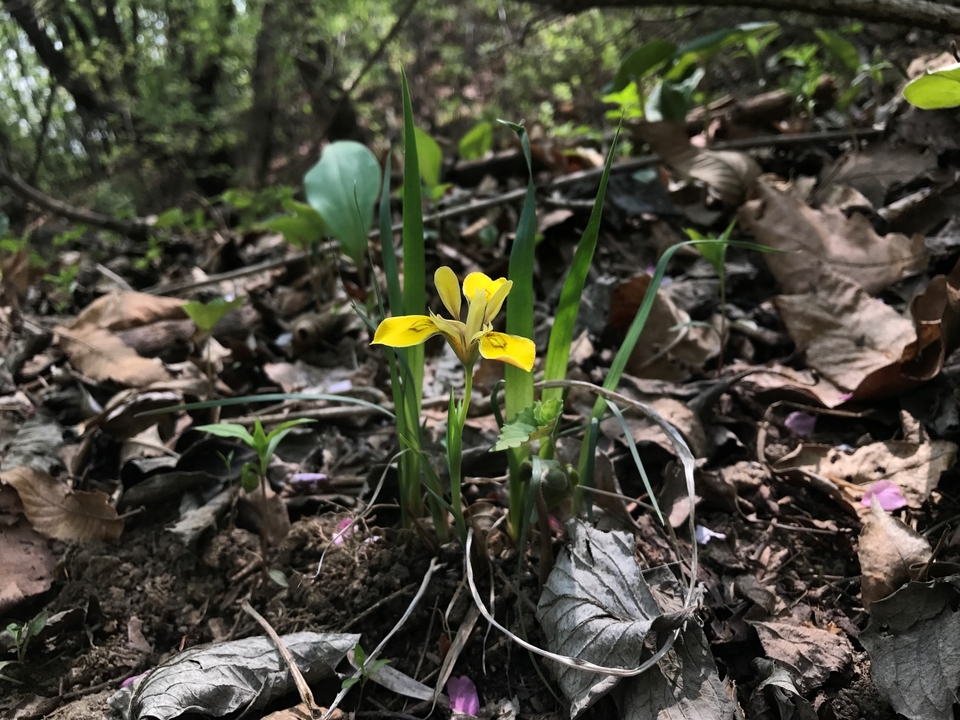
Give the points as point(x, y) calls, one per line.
point(414, 258)
point(270, 398)
point(561, 336)
point(519, 384)
point(390, 266)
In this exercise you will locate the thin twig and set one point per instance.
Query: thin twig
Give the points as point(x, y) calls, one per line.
point(306, 694)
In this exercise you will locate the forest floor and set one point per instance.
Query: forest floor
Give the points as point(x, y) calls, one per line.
point(819, 400)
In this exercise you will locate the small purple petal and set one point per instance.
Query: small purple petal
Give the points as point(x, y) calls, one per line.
point(463, 695)
point(134, 678)
point(341, 386)
point(308, 477)
point(886, 493)
point(801, 423)
point(705, 535)
point(846, 396)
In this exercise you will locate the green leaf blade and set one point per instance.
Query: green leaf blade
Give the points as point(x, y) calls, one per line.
point(343, 187)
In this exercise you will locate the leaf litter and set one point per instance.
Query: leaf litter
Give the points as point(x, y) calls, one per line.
point(819, 537)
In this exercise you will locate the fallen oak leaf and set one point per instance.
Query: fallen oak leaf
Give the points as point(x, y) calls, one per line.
point(60, 513)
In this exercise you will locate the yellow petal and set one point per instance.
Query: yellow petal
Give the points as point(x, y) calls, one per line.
point(512, 349)
point(495, 302)
point(449, 288)
point(478, 281)
point(405, 330)
point(477, 303)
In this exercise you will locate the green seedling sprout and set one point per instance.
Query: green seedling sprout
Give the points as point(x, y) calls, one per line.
point(477, 142)
point(205, 316)
point(253, 474)
point(23, 633)
point(360, 658)
point(714, 251)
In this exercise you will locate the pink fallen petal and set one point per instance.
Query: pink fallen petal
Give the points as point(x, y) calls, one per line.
point(309, 477)
point(801, 423)
point(463, 695)
point(344, 530)
point(134, 678)
point(888, 494)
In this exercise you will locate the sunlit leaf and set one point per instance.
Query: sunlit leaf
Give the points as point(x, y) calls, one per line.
point(207, 315)
point(228, 430)
point(430, 157)
point(935, 90)
point(477, 142)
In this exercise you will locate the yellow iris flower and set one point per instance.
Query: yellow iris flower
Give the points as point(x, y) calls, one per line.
point(472, 339)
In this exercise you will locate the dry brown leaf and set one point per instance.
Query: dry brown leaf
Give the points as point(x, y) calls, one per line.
point(57, 512)
point(874, 170)
point(936, 313)
point(122, 310)
point(914, 468)
point(856, 341)
point(677, 413)
point(887, 550)
point(731, 174)
point(813, 652)
point(823, 242)
point(670, 345)
point(271, 513)
point(100, 355)
point(782, 382)
point(26, 564)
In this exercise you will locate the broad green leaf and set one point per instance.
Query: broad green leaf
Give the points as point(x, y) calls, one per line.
point(532, 423)
point(359, 656)
point(228, 430)
point(303, 228)
point(349, 682)
point(477, 142)
point(840, 47)
point(430, 157)
point(935, 90)
point(343, 188)
point(167, 219)
point(207, 315)
point(641, 61)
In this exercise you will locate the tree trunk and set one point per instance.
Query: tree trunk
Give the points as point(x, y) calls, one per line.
point(260, 124)
point(926, 14)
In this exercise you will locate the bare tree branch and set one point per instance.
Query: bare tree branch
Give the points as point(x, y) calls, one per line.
point(136, 228)
point(926, 14)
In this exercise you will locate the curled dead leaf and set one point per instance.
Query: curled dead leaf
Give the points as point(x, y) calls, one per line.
point(60, 513)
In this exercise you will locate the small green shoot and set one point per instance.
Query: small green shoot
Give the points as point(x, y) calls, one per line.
point(23, 633)
point(255, 474)
point(205, 316)
point(366, 672)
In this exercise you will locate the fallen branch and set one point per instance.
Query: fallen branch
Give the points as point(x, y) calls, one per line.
point(137, 229)
point(926, 14)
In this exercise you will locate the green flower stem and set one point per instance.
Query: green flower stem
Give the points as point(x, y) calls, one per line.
point(456, 420)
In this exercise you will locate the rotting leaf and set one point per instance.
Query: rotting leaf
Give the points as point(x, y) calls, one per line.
point(100, 355)
point(914, 467)
point(913, 640)
point(599, 607)
point(855, 340)
point(819, 243)
point(226, 677)
point(56, 511)
point(814, 653)
point(887, 549)
point(730, 173)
